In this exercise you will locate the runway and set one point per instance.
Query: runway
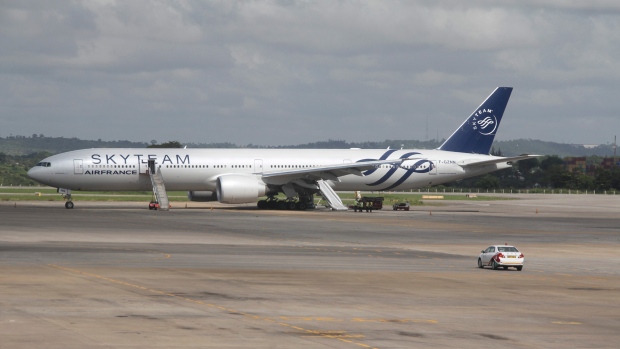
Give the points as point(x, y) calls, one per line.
point(116, 275)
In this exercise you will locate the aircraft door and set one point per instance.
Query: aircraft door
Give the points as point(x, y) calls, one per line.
point(151, 166)
point(433, 164)
point(258, 166)
point(144, 165)
point(78, 166)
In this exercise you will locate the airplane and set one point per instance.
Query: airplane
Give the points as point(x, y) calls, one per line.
point(234, 176)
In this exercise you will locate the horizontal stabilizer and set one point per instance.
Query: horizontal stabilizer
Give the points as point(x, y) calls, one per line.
point(494, 160)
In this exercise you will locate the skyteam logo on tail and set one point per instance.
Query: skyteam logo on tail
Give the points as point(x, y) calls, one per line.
point(484, 122)
point(476, 134)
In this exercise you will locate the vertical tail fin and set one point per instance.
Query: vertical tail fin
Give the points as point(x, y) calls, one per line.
point(476, 134)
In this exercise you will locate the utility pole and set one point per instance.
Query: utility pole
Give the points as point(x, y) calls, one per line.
point(615, 145)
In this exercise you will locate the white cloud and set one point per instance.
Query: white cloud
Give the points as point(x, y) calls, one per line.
point(277, 71)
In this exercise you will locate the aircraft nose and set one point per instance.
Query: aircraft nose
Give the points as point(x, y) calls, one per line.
point(35, 173)
point(30, 173)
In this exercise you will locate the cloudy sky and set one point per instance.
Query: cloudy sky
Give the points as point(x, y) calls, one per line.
point(290, 72)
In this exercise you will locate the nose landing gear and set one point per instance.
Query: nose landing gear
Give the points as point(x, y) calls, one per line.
point(66, 194)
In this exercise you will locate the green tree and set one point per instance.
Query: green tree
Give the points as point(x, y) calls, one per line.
point(603, 179)
point(550, 161)
point(488, 182)
point(555, 176)
point(580, 181)
point(615, 178)
point(171, 144)
point(528, 165)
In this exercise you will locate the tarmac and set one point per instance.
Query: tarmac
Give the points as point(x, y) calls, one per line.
point(116, 275)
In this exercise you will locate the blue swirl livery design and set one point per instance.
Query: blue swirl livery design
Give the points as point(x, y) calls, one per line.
point(383, 157)
point(415, 168)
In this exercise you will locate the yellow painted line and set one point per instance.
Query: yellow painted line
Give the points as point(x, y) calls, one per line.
point(329, 334)
point(310, 318)
point(428, 321)
point(566, 322)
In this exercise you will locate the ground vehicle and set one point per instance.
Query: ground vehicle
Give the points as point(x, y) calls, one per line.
point(401, 206)
point(376, 202)
point(503, 256)
point(368, 203)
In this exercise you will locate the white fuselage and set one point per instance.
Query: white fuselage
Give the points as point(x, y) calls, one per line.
point(125, 169)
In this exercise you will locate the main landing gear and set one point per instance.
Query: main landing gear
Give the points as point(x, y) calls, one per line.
point(272, 203)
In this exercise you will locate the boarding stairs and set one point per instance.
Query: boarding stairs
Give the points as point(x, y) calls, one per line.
point(331, 197)
point(159, 189)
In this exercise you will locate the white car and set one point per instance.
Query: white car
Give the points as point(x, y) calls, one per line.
point(501, 256)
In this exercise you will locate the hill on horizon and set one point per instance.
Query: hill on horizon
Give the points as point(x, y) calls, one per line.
point(22, 145)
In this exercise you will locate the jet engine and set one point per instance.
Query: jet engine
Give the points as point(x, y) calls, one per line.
point(239, 189)
point(201, 196)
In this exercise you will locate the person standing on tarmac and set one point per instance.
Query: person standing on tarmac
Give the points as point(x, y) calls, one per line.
point(368, 205)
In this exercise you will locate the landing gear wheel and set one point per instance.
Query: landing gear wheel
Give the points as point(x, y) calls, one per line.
point(292, 205)
point(262, 204)
point(282, 205)
point(301, 206)
point(69, 205)
point(480, 263)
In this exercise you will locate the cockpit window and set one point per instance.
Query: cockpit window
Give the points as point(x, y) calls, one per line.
point(44, 164)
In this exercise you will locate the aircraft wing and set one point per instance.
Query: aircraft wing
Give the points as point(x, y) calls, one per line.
point(495, 160)
point(329, 172)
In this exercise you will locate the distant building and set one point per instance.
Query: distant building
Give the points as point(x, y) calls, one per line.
point(587, 146)
point(608, 163)
point(572, 164)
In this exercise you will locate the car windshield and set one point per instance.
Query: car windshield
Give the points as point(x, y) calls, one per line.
point(507, 249)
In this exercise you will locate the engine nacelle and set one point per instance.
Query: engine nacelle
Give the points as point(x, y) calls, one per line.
point(239, 189)
point(202, 196)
